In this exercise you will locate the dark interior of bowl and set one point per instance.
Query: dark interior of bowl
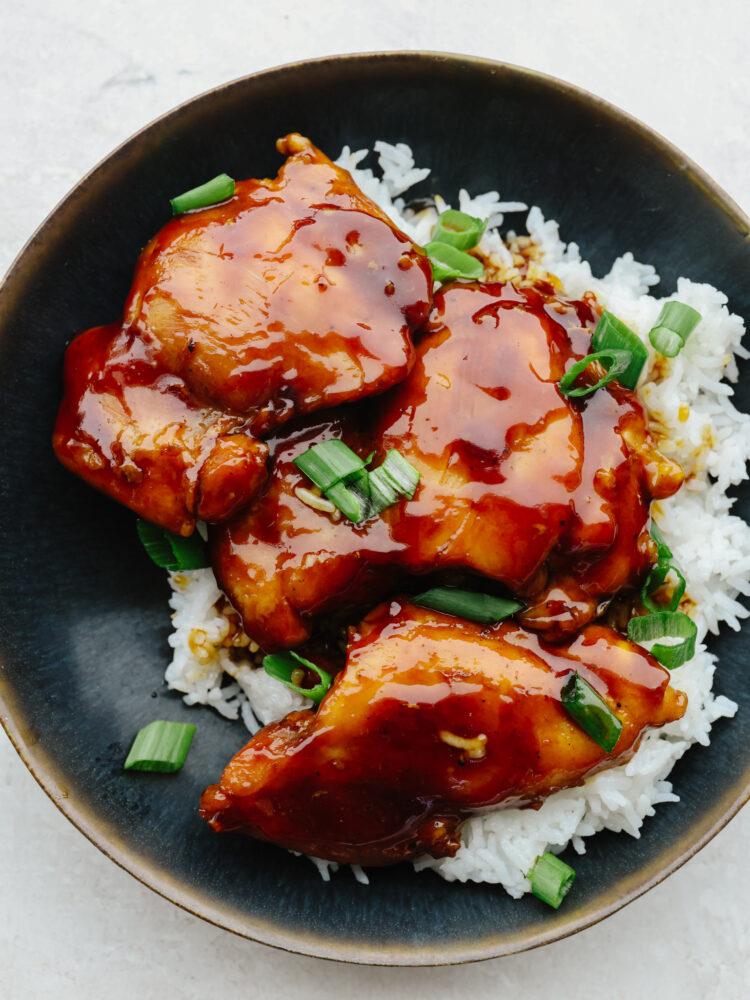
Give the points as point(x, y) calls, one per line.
point(83, 613)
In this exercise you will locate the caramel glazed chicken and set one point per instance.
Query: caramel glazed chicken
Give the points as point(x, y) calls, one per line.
point(299, 295)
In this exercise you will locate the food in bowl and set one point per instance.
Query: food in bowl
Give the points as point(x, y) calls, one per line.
point(240, 317)
point(433, 718)
point(522, 491)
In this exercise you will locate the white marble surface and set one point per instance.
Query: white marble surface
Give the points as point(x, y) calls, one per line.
point(79, 76)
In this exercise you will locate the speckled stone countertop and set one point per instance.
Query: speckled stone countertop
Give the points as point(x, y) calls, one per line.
point(76, 78)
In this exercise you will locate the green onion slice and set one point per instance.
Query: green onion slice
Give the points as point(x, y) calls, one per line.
point(551, 879)
point(617, 361)
point(353, 503)
point(663, 550)
point(663, 625)
point(659, 573)
point(448, 263)
point(591, 712)
point(482, 608)
point(160, 746)
point(654, 580)
point(395, 477)
point(170, 551)
point(219, 188)
point(281, 666)
point(612, 334)
point(382, 493)
point(673, 327)
point(328, 463)
point(401, 474)
point(344, 480)
point(459, 230)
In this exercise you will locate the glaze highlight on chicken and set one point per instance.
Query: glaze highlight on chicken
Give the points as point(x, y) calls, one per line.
point(135, 432)
point(297, 293)
point(547, 496)
point(432, 718)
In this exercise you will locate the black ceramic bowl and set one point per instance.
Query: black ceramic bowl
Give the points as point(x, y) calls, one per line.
point(83, 613)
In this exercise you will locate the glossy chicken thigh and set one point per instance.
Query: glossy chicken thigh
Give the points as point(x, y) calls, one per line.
point(546, 495)
point(298, 293)
point(135, 432)
point(295, 294)
point(433, 717)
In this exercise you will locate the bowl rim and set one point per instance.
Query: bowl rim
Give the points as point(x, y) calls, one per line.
point(105, 836)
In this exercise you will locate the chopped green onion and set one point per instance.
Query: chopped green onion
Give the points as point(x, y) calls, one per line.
point(170, 551)
point(160, 746)
point(654, 580)
point(400, 473)
point(659, 574)
point(591, 712)
point(483, 608)
point(666, 341)
point(395, 477)
point(352, 503)
point(459, 230)
point(448, 263)
point(662, 549)
point(218, 189)
point(551, 879)
point(619, 362)
point(673, 327)
point(328, 463)
point(383, 493)
point(341, 475)
point(663, 625)
point(612, 334)
point(281, 666)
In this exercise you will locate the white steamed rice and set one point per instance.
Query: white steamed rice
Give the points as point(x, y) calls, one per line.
point(689, 402)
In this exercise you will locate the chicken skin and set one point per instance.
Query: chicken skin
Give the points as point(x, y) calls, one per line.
point(546, 495)
point(432, 718)
point(295, 294)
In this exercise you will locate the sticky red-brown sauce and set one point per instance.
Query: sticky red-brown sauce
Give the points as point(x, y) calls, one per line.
point(375, 776)
point(295, 294)
point(545, 495)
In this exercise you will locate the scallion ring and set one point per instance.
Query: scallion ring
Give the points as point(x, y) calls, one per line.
point(591, 712)
point(218, 189)
point(662, 549)
point(618, 361)
point(328, 463)
point(459, 230)
point(281, 666)
point(654, 580)
point(160, 746)
point(666, 625)
point(612, 334)
point(483, 608)
point(551, 879)
point(171, 551)
point(395, 477)
point(358, 493)
point(659, 573)
point(449, 263)
point(352, 502)
point(673, 327)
